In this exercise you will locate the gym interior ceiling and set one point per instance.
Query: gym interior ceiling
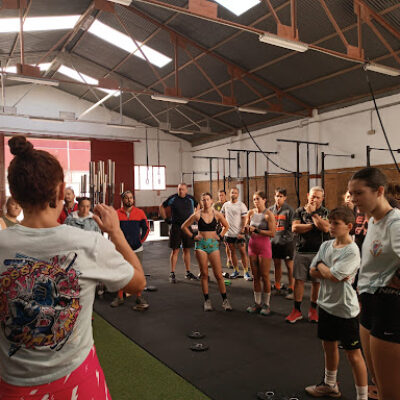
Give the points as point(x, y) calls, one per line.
point(218, 62)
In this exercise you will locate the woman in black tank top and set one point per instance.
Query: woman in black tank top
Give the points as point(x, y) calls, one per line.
point(207, 246)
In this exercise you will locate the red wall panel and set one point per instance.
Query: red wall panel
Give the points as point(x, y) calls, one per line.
point(123, 155)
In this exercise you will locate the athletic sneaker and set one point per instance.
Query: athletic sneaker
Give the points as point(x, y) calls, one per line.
point(141, 304)
point(117, 302)
point(313, 315)
point(265, 310)
point(275, 291)
point(190, 276)
point(322, 390)
point(172, 277)
point(254, 309)
point(294, 316)
point(290, 294)
point(208, 306)
point(226, 305)
point(234, 275)
point(247, 276)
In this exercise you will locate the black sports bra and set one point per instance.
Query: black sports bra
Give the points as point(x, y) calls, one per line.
point(204, 227)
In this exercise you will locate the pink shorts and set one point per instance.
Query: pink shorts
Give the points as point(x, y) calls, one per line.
point(260, 246)
point(85, 383)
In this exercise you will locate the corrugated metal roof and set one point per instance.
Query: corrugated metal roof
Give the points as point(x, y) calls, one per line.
point(316, 79)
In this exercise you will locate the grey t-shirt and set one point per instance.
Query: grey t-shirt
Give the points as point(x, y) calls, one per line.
point(380, 252)
point(339, 298)
point(47, 286)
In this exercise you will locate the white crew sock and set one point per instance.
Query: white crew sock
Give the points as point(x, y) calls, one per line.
point(257, 297)
point(267, 298)
point(330, 377)
point(362, 392)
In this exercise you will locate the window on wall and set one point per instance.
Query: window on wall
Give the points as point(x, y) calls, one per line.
point(73, 155)
point(150, 177)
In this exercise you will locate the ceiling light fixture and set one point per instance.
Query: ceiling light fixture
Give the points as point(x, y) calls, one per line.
point(382, 69)
point(283, 42)
point(252, 110)
point(45, 119)
point(181, 132)
point(29, 79)
point(113, 125)
point(123, 2)
point(172, 99)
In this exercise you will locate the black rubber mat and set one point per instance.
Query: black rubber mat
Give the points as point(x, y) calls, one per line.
point(247, 353)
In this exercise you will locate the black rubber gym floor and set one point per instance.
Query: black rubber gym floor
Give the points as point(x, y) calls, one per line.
point(247, 353)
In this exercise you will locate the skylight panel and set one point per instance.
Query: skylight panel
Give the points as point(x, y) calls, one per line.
point(13, 68)
point(238, 7)
point(124, 42)
point(35, 24)
point(71, 73)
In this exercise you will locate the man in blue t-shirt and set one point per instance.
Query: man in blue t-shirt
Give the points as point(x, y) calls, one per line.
point(182, 206)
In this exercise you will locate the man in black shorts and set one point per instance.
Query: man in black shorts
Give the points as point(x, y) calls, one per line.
point(311, 225)
point(283, 242)
point(182, 207)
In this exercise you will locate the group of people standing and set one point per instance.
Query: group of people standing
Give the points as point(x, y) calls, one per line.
point(49, 273)
point(320, 246)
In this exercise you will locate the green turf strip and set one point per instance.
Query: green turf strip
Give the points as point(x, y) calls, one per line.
point(132, 373)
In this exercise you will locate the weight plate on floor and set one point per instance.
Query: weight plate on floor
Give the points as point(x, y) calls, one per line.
point(199, 347)
point(150, 289)
point(196, 335)
point(268, 395)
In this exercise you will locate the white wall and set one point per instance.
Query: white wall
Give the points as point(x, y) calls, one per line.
point(345, 130)
point(43, 101)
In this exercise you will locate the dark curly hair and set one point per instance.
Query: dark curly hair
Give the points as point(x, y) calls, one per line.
point(33, 175)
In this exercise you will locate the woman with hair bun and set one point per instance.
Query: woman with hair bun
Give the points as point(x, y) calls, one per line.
point(48, 277)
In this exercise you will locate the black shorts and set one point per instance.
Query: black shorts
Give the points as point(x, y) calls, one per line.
point(283, 251)
point(337, 329)
point(234, 240)
point(178, 237)
point(380, 314)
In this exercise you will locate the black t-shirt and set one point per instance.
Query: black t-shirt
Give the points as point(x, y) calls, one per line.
point(310, 241)
point(284, 218)
point(181, 207)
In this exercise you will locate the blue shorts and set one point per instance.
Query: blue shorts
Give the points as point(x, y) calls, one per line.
point(207, 245)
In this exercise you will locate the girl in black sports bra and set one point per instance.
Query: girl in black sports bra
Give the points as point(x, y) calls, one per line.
point(207, 247)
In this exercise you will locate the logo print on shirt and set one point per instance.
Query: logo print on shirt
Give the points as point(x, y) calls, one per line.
point(376, 248)
point(39, 301)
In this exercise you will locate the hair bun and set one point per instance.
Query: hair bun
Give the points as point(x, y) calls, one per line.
point(19, 146)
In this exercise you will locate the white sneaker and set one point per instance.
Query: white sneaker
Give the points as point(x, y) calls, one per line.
point(248, 277)
point(208, 306)
point(226, 305)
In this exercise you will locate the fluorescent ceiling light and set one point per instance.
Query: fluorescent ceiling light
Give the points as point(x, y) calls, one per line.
point(35, 24)
point(71, 73)
point(29, 79)
point(382, 69)
point(238, 7)
point(181, 132)
point(124, 42)
point(252, 110)
point(172, 99)
point(123, 2)
point(121, 126)
point(45, 119)
point(282, 42)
